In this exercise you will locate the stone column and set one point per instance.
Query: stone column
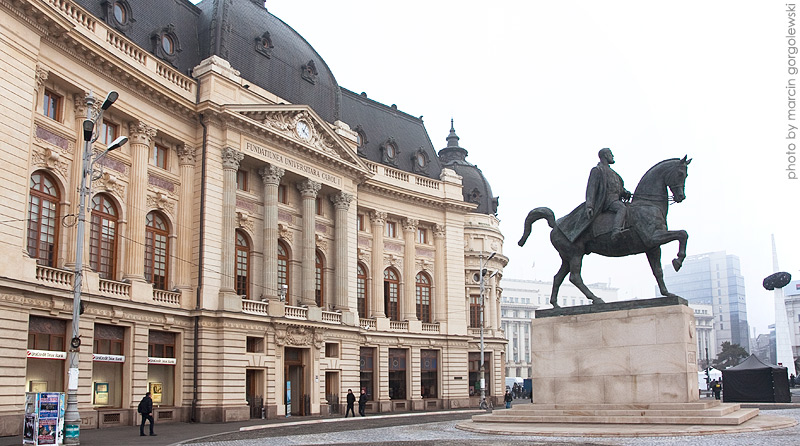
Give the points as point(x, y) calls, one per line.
point(439, 301)
point(341, 202)
point(271, 176)
point(378, 220)
point(230, 164)
point(408, 312)
point(308, 190)
point(141, 137)
point(183, 271)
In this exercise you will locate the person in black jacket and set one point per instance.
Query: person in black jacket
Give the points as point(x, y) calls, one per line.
point(146, 409)
point(362, 402)
point(508, 398)
point(351, 400)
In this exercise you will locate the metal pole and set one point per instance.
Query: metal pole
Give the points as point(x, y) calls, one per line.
point(483, 305)
point(72, 420)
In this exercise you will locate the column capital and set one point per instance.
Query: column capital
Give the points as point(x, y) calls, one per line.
point(231, 158)
point(341, 201)
point(438, 231)
point(142, 133)
point(410, 224)
point(186, 154)
point(309, 188)
point(271, 174)
point(377, 218)
point(82, 102)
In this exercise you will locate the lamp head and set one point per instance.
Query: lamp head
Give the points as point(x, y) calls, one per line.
point(88, 129)
point(110, 99)
point(490, 257)
point(119, 142)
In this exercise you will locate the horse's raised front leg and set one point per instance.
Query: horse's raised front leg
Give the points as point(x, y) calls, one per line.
point(654, 257)
point(661, 237)
point(575, 264)
point(683, 238)
point(558, 279)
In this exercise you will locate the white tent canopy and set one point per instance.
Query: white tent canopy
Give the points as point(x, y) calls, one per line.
point(712, 375)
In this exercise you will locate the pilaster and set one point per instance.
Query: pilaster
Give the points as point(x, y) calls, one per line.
point(186, 159)
point(341, 203)
point(409, 310)
point(378, 221)
point(308, 191)
point(141, 137)
point(230, 164)
point(271, 177)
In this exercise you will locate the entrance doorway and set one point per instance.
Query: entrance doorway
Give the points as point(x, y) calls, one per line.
point(332, 391)
point(254, 390)
point(295, 379)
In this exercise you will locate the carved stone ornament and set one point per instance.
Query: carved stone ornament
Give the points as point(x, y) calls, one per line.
point(364, 255)
point(271, 174)
point(284, 232)
point(41, 75)
point(410, 224)
point(392, 260)
point(80, 104)
point(309, 72)
point(186, 154)
point(141, 133)
point(309, 188)
point(286, 123)
point(425, 265)
point(109, 183)
point(341, 201)
point(50, 159)
point(295, 335)
point(161, 200)
point(378, 218)
point(321, 242)
point(231, 158)
point(264, 45)
point(244, 221)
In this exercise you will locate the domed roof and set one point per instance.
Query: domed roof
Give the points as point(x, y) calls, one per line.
point(475, 187)
point(269, 53)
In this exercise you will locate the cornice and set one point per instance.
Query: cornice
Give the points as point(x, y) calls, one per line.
point(425, 200)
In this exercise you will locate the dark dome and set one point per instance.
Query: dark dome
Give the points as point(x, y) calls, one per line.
point(476, 188)
point(269, 53)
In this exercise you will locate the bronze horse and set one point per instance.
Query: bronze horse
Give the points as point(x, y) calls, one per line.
point(645, 231)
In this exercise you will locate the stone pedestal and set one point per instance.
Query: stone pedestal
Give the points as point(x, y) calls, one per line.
point(617, 353)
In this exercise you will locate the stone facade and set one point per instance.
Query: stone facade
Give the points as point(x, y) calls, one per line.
point(225, 243)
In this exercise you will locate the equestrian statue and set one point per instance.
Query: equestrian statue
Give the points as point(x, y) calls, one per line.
point(615, 223)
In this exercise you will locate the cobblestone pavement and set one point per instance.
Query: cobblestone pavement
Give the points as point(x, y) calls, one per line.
point(440, 430)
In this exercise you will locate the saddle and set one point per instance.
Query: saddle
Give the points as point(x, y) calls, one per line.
point(604, 223)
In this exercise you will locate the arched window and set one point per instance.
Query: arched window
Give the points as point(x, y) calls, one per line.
point(156, 250)
point(283, 271)
point(43, 219)
point(242, 265)
point(391, 294)
point(103, 237)
point(319, 280)
point(361, 291)
point(423, 297)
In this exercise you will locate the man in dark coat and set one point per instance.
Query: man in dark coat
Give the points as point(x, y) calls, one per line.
point(362, 402)
point(351, 400)
point(146, 409)
point(605, 191)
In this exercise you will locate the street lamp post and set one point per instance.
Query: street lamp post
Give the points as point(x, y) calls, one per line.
point(482, 273)
point(72, 420)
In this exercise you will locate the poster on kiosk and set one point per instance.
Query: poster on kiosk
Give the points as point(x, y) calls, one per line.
point(44, 418)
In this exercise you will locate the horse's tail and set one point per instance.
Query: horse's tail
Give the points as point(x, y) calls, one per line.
point(534, 215)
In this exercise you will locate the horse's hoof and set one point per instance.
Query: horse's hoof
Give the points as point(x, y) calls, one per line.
point(597, 300)
point(676, 264)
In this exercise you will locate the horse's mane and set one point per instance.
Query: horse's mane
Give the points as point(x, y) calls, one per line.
point(659, 165)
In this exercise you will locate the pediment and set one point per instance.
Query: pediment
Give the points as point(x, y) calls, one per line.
point(302, 126)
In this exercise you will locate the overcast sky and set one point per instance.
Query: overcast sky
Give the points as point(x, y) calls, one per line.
point(537, 88)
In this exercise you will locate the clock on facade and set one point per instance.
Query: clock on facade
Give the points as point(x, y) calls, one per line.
point(303, 130)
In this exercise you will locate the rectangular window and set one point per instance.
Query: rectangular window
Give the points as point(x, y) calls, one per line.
point(397, 373)
point(475, 311)
point(331, 350)
point(161, 344)
point(241, 180)
point(318, 206)
point(367, 371)
point(474, 360)
point(108, 339)
point(52, 105)
point(360, 222)
point(422, 236)
point(160, 156)
point(47, 334)
point(391, 229)
point(282, 198)
point(108, 132)
point(429, 372)
point(255, 344)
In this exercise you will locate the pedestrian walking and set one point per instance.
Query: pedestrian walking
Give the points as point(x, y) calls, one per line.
point(362, 402)
point(792, 380)
point(508, 398)
point(351, 400)
point(146, 409)
point(717, 388)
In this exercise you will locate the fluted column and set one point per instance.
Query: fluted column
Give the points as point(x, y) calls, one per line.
point(308, 191)
point(230, 164)
point(183, 271)
point(378, 221)
point(341, 203)
point(409, 311)
point(271, 177)
point(141, 136)
point(439, 288)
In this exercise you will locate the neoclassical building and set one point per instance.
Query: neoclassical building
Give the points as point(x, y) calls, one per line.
point(264, 231)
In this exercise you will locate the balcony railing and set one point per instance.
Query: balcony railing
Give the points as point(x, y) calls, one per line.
point(255, 307)
point(331, 317)
point(54, 277)
point(296, 313)
point(115, 289)
point(398, 325)
point(167, 297)
point(368, 324)
point(430, 327)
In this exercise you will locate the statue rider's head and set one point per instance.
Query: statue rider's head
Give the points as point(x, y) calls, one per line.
point(606, 155)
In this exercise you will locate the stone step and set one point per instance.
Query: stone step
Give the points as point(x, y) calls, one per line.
point(698, 405)
point(712, 412)
point(510, 416)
